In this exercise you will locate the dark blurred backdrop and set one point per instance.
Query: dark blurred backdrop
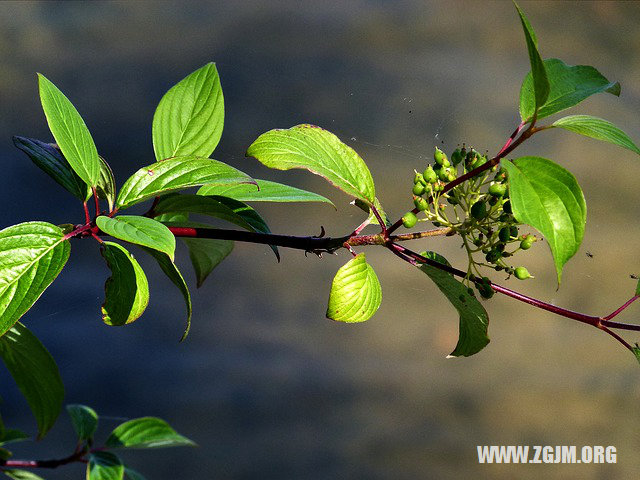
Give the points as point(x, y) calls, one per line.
point(266, 385)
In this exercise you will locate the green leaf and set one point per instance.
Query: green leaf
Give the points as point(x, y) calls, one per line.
point(176, 174)
point(636, 351)
point(355, 292)
point(269, 192)
point(131, 474)
point(104, 466)
point(106, 188)
point(190, 116)
point(36, 374)
point(32, 254)
point(638, 288)
point(49, 158)
point(224, 208)
point(13, 436)
point(474, 321)
point(548, 197)
point(319, 151)
point(568, 86)
point(70, 132)
point(84, 420)
point(597, 128)
point(171, 271)
point(146, 432)
point(540, 80)
point(21, 474)
point(126, 290)
point(140, 231)
point(373, 220)
point(205, 253)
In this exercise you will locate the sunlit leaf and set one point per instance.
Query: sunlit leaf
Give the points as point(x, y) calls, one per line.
point(568, 86)
point(32, 254)
point(106, 188)
point(269, 192)
point(319, 151)
point(84, 420)
point(146, 432)
point(36, 374)
point(176, 174)
point(70, 132)
point(190, 116)
point(474, 321)
point(597, 128)
point(139, 230)
point(104, 466)
point(548, 197)
point(126, 290)
point(355, 292)
point(21, 474)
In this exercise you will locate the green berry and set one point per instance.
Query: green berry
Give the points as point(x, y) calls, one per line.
point(418, 178)
point(409, 220)
point(506, 207)
point(527, 242)
point(440, 158)
point(522, 273)
point(479, 210)
point(429, 175)
point(513, 230)
point(456, 157)
point(497, 189)
point(493, 256)
point(504, 234)
point(418, 189)
point(420, 203)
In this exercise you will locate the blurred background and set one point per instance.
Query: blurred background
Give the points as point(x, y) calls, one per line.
point(267, 386)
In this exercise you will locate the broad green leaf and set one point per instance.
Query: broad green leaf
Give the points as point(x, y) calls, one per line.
point(190, 116)
point(171, 271)
point(176, 174)
point(548, 197)
point(539, 75)
point(638, 288)
point(131, 474)
point(636, 351)
point(597, 128)
point(319, 151)
point(224, 208)
point(84, 420)
point(104, 466)
point(172, 217)
point(140, 231)
point(474, 321)
point(126, 290)
point(355, 292)
point(21, 474)
point(32, 254)
point(106, 188)
point(569, 85)
point(36, 374)
point(13, 436)
point(269, 192)
point(70, 132)
point(146, 432)
point(50, 159)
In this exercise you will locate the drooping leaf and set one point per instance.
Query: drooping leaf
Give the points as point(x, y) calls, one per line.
point(597, 128)
point(140, 231)
point(355, 292)
point(36, 374)
point(84, 420)
point(547, 197)
point(51, 161)
point(539, 75)
point(21, 474)
point(190, 116)
point(474, 321)
point(104, 466)
point(269, 192)
point(319, 151)
point(176, 174)
point(146, 432)
point(126, 290)
point(70, 132)
point(171, 271)
point(224, 208)
point(12, 436)
point(106, 188)
point(32, 254)
point(131, 474)
point(568, 86)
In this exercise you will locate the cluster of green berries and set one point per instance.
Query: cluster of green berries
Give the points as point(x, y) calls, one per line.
point(479, 211)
